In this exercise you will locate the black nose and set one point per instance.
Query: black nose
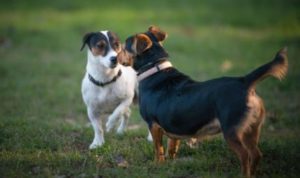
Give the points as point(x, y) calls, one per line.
point(113, 60)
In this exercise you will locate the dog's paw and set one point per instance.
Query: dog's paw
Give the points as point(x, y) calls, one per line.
point(149, 137)
point(95, 145)
point(120, 131)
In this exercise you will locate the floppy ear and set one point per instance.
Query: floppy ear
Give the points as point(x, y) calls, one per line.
point(143, 43)
point(159, 34)
point(85, 39)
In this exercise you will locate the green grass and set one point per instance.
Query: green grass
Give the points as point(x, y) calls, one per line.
point(44, 129)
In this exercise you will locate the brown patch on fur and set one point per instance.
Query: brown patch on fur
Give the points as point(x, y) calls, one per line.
point(280, 69)
point(99, 49)
point(157, 135)
point(255, 114)
point(124, 57)
point(114, 41)
point(244, 138)
point(173, 146)
point(236, 144)
point(143, 42)
point(159, 34)
point(174, 140)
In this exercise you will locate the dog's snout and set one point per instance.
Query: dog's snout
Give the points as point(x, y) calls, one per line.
point(113, 59)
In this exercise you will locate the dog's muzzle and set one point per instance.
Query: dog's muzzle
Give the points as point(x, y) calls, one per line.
point(113, 62)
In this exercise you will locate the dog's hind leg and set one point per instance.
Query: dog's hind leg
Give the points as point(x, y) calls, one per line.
point(173, 146)
point(251, 137)
point(235, 142)
point(251, 141)
point(98, 131)
point(157, 135)
point(251, 126)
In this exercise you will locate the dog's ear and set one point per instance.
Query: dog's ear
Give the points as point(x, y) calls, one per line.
point(159, 34)
point(143, 43)
point(86, 39)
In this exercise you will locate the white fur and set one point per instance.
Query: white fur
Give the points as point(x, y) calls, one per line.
point(110, 102)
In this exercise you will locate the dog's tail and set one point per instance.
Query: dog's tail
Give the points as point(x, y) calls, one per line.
point(277, 68)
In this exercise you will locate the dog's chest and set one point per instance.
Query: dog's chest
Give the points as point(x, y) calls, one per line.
point(104, 99)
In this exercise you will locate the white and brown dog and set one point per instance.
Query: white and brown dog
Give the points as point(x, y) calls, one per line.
point(108, 87)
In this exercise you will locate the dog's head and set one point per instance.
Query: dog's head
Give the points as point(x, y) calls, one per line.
point(103, 46)
point(144, 48)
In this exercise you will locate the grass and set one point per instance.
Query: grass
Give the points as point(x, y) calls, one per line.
point(44, 130)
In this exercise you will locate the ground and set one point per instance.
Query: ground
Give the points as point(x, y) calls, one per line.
point(44, 129)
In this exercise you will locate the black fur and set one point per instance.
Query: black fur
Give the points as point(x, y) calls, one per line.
point(181, 105)
point(92, 38)
point(174, 104)
point(150, 57)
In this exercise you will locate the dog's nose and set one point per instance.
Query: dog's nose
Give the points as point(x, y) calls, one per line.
point(113, 60)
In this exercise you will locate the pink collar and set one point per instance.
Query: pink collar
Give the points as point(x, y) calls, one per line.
point(153, 70)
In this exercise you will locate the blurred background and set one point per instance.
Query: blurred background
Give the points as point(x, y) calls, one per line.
point(41, 68)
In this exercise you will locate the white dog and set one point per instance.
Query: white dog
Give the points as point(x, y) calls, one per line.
point(108, 87)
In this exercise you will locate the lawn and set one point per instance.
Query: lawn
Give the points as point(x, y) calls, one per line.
point(44, 129)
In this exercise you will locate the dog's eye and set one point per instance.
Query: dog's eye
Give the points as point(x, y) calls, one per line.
point(101, 46)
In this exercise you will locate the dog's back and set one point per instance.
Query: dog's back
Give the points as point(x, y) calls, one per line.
point(183, 106)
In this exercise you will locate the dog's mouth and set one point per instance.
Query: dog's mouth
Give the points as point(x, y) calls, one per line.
point(113, 65)
point(126, 64)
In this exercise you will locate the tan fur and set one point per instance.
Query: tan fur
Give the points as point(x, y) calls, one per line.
point(254, 115)
point(279, 71)
point(159, 34)
point(143, 43)
point(124, 57)
point(174, 140)
point(245, 138)
point(157, 135)
point(173, 146)
point(99, 51)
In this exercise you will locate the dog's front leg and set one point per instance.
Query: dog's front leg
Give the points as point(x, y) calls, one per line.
point(98, 131)
point(118, 113)
point(124, 120)
point(157, 135)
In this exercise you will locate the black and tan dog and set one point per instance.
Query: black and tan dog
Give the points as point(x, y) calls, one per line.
point(179, 107)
